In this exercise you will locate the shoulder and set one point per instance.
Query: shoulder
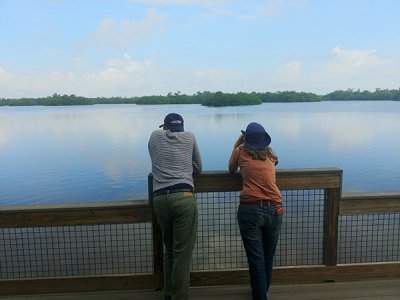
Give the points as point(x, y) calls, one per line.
point(187, 135)
point(156, 135)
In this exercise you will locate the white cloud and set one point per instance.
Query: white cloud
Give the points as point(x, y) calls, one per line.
point(272, 7)
point(341, 69)
point(182, 2)
point(290, 72)
point(117, 77)
point(351, 61)
point(122, 34)
point(276, 7)
point(126, 76)
point(358, 68)
point(253, 10)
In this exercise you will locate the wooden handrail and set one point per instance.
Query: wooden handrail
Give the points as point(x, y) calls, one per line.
point(76, 214)
point(361, 203)
point(222, 181)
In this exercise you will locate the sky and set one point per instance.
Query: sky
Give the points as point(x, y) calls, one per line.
point(152, 47)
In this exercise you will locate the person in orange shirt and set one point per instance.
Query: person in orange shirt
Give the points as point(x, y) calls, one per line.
point(260, 210)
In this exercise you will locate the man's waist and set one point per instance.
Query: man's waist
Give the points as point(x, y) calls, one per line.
point(176, 188)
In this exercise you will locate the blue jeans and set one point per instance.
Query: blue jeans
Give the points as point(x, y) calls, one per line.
point(259, 227)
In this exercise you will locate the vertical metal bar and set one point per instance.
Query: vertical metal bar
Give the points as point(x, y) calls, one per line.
point(332, 199)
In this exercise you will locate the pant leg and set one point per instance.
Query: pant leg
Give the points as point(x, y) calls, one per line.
point(185, 214)
point(161, 208)
point(270, 239)
point(250, 223)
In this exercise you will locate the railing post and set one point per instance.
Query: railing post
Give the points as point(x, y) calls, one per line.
point(157, 239)
point(331, 217)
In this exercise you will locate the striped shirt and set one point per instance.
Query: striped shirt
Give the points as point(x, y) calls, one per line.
point(175, 157)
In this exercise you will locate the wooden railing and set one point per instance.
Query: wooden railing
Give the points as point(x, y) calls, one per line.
point(136, 212)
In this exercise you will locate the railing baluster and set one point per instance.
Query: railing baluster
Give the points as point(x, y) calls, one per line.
point(332, 200)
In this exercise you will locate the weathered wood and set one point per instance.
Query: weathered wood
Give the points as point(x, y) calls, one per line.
point(78, 284)
point(282, 275)
point(332, 198)
point(302, 274)
point(217, 182)
point(158, 247)
point(89, 214)
point(361, 203)
point(286, 179)
point(371, 290)
point(133, 212)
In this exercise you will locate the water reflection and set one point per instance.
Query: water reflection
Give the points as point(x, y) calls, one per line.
point(92, 153)
point(3, 137)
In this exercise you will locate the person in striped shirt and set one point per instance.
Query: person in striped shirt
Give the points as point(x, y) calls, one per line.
point(175, 157)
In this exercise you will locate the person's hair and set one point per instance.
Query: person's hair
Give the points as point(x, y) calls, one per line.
point(257, 154)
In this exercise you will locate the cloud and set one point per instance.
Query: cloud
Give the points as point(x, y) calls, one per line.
point(213, 7)
point(126, 76)
point(290, 71)
point(358, 68)
point(341, 69)
point(182, 2)
point(122, 76)
point(122, 34)
point(274, 8)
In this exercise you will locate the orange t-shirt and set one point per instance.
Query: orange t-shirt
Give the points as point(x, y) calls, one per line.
point(259, 180)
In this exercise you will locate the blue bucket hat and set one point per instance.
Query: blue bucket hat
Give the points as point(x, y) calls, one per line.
point(255, 137)
point(173, 122)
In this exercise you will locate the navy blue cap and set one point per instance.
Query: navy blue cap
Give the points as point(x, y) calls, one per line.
point(173, 122)
point(255, 137)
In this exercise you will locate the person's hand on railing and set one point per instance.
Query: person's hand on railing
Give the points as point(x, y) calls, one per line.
point(272, 155)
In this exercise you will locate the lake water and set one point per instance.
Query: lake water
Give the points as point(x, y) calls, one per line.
point(99, 153)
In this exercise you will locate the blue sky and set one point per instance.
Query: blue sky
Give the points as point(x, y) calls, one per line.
point(143, 47)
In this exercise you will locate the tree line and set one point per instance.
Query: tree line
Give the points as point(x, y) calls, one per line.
point(211, 98)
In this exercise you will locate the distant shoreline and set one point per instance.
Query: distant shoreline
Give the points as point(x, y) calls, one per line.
point(211, 99)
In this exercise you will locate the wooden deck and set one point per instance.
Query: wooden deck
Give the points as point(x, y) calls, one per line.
point(361, 290)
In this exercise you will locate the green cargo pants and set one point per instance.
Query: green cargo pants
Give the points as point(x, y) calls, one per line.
point(177, 216)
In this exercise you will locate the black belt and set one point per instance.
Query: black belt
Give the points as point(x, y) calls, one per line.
point(166, 191)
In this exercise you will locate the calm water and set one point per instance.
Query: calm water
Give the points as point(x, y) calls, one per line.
point(96, 153)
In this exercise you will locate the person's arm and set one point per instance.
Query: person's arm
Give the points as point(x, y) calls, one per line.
point(234, 159)
point(197, 166)
point(272, 156)
point(150, 145)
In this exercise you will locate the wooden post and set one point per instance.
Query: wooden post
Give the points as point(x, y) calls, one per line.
point(158, 246)
point(331, 216)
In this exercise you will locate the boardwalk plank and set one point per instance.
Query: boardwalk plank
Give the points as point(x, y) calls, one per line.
point(362, 290)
